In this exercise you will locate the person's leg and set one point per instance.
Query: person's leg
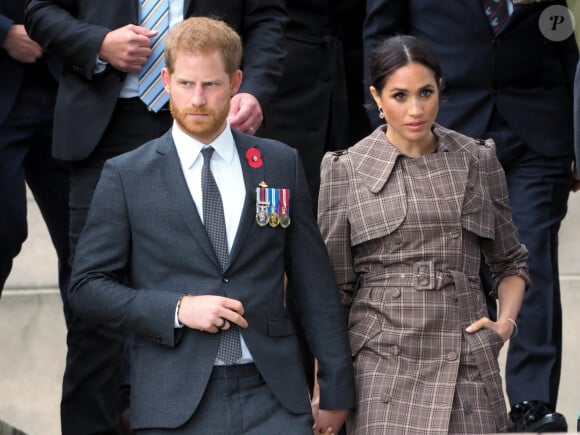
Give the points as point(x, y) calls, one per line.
point(48, 180)
point(539, 189)
point(238, 401)
point(15, 133)
point(13, 230)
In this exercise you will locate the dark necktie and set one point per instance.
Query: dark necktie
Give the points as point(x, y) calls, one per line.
point(497, 13)
point(230, 349)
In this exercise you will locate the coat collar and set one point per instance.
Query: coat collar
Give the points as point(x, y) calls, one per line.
point(374, 157)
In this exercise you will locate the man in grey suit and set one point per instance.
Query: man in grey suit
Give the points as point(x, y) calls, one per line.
point(196, 270)
point(101, 112)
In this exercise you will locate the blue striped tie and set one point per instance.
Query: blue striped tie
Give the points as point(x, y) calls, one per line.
point(155, 16)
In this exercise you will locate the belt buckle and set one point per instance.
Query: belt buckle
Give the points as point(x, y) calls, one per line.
point(424, 275)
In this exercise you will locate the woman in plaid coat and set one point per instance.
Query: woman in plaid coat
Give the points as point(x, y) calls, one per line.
point(406, 214)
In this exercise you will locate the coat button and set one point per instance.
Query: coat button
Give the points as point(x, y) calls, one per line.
point(225, 279)
point(452, 356)
point(396, 350)
point(396, 292)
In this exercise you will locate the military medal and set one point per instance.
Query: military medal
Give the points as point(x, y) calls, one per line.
point(262, 206)
point(284, 203)
point(274, 219)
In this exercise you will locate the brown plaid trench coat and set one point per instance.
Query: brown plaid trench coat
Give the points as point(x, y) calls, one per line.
point(405, 236)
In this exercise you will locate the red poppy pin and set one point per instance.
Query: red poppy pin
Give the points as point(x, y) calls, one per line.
point(254, 157)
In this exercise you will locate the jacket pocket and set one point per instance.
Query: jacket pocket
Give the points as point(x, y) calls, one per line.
point(360, 332)
point(280, 327)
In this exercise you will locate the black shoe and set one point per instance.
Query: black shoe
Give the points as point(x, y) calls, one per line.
point(536, 416)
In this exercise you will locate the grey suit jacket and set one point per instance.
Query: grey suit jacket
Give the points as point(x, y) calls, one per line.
point(143, 229)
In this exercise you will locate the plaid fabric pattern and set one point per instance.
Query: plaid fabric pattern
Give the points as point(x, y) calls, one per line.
point(410, 233)
point(229, 349)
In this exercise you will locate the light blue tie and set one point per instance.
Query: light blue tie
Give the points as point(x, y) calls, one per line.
point(155, 16)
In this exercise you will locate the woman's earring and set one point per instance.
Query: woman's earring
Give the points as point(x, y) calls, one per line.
point(381, 113)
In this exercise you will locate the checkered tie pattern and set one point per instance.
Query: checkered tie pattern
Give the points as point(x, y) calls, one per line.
point(230, 349)
point(155, 16)
point(497, 13)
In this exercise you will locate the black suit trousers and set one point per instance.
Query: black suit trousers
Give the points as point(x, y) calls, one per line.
point(25, 147)
point(538, 187)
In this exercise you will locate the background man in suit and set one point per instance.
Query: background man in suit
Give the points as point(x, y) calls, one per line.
point(187, 265)
point(319, 106)
point(102, 112)
point(504, 79)
point(27, 94)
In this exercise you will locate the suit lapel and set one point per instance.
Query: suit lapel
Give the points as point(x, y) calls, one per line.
point(252, 178)
point(176, 186)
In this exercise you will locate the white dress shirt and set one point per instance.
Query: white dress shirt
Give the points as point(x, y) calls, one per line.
point(227, 170)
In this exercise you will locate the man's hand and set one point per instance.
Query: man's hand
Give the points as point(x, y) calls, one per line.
point(245, 113)
point(127, 48)
point(20, 47)
point(330, 421)
point(211, 313)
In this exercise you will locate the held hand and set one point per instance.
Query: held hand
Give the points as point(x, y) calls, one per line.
point(330, 421)
point(211, 313)
point(245, 113)
point(127, 48)
point(20, 47)
point(503, 327)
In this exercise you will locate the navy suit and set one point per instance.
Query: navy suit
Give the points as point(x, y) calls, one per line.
point(516, 88)
point(27, 94)
point(144, 245)
point(92, 124)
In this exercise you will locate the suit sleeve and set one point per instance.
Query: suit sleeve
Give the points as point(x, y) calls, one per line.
point(384, 18)
point(316, 299)
point(504, 254)
point(334, 225)
point(5, 24)
point(75, 43)
point(100, 270)
point(263, 35)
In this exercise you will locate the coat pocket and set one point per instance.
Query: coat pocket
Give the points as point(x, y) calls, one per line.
point(360, 332)
point(280, 327)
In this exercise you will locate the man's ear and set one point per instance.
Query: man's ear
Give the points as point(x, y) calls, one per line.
point(166, 79)
point(235, 81)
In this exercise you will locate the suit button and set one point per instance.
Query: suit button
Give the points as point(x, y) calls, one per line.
point(225, 279)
